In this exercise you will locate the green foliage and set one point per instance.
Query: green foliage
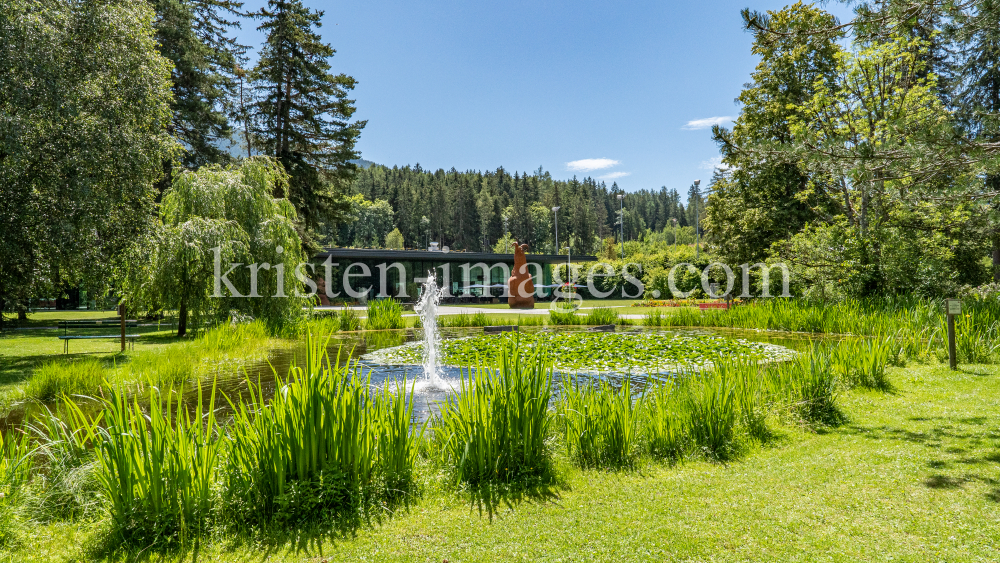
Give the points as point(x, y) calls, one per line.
point(324, 446)
point(84, 108)
point(348, 320)
point(70, 489)
point(601, 423)
point(15, 469)
point(601, 316)
point(156, 470)
point(495, 428)
point(593, 351)
point(226, 215)
point(302, 114)
point(385, 314)
point(394, 240)
point(56, 378)
point(192, 35)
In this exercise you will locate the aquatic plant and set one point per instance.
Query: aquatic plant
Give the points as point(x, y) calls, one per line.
point(495, 427)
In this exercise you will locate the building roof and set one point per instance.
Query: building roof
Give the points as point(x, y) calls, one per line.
point(441, 256)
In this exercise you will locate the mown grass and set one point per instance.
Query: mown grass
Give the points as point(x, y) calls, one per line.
point(911, 476)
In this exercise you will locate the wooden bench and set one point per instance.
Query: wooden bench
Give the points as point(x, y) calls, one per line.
point(96, 324)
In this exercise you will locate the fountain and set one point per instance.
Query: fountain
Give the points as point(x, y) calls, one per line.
point(427, 309)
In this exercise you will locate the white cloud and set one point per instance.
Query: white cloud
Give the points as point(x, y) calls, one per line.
point(707, 122)
point(713, 163)
point(613, 176)
point(588, 164)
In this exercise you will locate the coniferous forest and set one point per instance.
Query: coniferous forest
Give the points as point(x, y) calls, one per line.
point(474, 210)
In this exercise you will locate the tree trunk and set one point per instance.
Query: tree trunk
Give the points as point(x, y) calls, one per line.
point(182, 319)
point(2, 302)
point(22, 315)
point(996, 256)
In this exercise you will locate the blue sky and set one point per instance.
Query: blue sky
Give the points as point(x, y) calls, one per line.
point(623, 91)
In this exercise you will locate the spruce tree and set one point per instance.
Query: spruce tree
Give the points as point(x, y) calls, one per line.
point(192, 34)
point(303, 114)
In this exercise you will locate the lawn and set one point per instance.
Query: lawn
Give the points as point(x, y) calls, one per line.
point(912, 476)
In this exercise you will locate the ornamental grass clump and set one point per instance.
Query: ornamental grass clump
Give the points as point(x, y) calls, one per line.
point(53, 379)
point(156, 465)
point(385, 314)
point(712, 413)
point(601, 316)
point(15, 470)
point(494, 429)
point(663, 419)
point(600, 422)
point(325, 447)
point(810, 386)
point(863, 362)
point(348, 320)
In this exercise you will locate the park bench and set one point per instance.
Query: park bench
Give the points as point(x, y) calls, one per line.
point(704, 306)
point(500, 329)
point(90, 324)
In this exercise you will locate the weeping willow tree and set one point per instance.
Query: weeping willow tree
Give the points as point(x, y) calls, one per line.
point(223, 247)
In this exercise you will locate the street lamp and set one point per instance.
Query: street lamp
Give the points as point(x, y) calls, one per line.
point(697, 228)
point(674, 219)
point(555, 210)
point(621, 222)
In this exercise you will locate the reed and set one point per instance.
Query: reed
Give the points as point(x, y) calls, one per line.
point(322, 448)
point(385, 314)
point(57, 378)
point(156, 466)
point(348, 320)
point(601, 423)
point(601, 316)
point(663, 420)
point(863, 362)
point(495, 427)
point(712, 413)
point(568, 318)
point(70, 489)
point(15, 469)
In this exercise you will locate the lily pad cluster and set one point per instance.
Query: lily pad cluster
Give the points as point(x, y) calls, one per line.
point(638, 352)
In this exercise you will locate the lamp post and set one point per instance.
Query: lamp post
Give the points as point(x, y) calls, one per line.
point(697, 227)
point(569, 272)
point(621, 222)
point(555, 211)
point(674, 219)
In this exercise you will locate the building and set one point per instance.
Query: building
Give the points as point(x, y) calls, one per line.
point(362, 273)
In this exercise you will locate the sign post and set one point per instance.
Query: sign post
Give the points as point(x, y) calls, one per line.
point(952, 308)
point(121, 311)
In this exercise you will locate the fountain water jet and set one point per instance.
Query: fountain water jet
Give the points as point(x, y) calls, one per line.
point(427, 308)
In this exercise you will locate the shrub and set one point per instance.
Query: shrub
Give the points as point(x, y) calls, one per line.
point(495, 427)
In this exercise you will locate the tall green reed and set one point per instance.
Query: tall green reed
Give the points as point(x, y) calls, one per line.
point(495, 427)
point(385, 314)
point(601, 423)
point(157, 464)
point(323, 447)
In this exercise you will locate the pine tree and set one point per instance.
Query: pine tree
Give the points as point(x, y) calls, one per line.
point(303, 113)
point(192, 34)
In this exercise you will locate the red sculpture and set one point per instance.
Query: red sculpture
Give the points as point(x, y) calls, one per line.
point(520, 285)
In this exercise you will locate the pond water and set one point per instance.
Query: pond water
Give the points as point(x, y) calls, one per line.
point(352, 346)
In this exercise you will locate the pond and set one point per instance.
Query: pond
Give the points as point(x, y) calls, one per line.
point(389, 356)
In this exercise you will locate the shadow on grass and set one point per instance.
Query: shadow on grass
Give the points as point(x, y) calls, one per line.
point(490, 497)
